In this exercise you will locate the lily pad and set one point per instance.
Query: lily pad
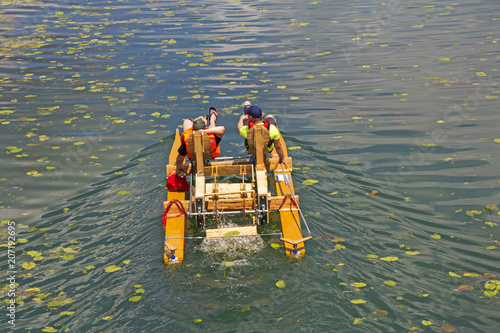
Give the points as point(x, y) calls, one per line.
point(135, 298)
point(390, 258)
point(28, 266)
point(310, 182)
point(358, 301)
point(280, 284)
point(112, 268)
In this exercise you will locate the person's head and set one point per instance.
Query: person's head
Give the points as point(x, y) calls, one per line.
point(255, 112)
point(199, 123)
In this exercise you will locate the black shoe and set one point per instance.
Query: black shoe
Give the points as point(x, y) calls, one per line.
point(211, 110)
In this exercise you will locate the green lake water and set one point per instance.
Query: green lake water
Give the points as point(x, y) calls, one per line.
point(392, 107)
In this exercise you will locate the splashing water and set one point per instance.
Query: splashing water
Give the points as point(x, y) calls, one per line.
point(232, 245)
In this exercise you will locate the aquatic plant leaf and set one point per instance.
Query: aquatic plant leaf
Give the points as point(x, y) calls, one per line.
point(390, 283)
point(67, 313)
point(33, 253)
point(448, 328)
point(112, 268)
point(412, 253)
point(126, 262)
point(358, 321)
point(49, 329)
point(390, 258)
point(68, 257)
point(197, 320)
point(436, 236)
point(106, 318)
point(28, 266)
point(382, 312)
point(454, 274)
point(490, 293)
point(493, 284)
point(472, 274)
point(295, 148)
point(139, 291)
point(55, 303)
point(339, 247)
point(31, 291)
point(358, 284)
point(135, 299)
point(426, 322)
point(358, 301)
point(465, 287)
point(473, 212)
point(280, 284)
point(490, 207)
point(275, 245)
point(123, 192)
point(310, 182)
point(70, 250)
point(372, 256)
point(338, 240)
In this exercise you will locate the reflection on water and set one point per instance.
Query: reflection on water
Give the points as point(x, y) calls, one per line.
point(392, 107)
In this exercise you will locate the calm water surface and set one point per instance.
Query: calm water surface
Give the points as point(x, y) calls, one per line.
point(399, 97)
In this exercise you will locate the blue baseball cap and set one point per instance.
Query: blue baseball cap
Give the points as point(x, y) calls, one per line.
point(254, 111)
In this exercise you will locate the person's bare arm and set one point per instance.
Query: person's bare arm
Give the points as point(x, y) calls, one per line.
point(279, 150)
point(240, 122)
point(217, 130)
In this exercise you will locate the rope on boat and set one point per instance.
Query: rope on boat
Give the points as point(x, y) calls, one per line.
point(169, 205)
point(294, 199)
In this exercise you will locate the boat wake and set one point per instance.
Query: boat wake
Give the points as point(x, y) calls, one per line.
point(232, 244)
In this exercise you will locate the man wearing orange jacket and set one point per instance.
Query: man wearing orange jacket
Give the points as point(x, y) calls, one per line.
point(214, 132)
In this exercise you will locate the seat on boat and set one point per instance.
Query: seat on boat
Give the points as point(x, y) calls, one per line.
point(258, 139)
point(199, 147)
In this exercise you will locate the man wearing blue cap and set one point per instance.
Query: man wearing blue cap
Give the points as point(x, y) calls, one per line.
point(252, 117)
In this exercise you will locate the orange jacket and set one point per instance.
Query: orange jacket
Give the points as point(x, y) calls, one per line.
point(214, 148)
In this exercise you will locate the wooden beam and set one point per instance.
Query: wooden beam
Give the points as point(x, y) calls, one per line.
point(238, 204)
point(250, 230)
